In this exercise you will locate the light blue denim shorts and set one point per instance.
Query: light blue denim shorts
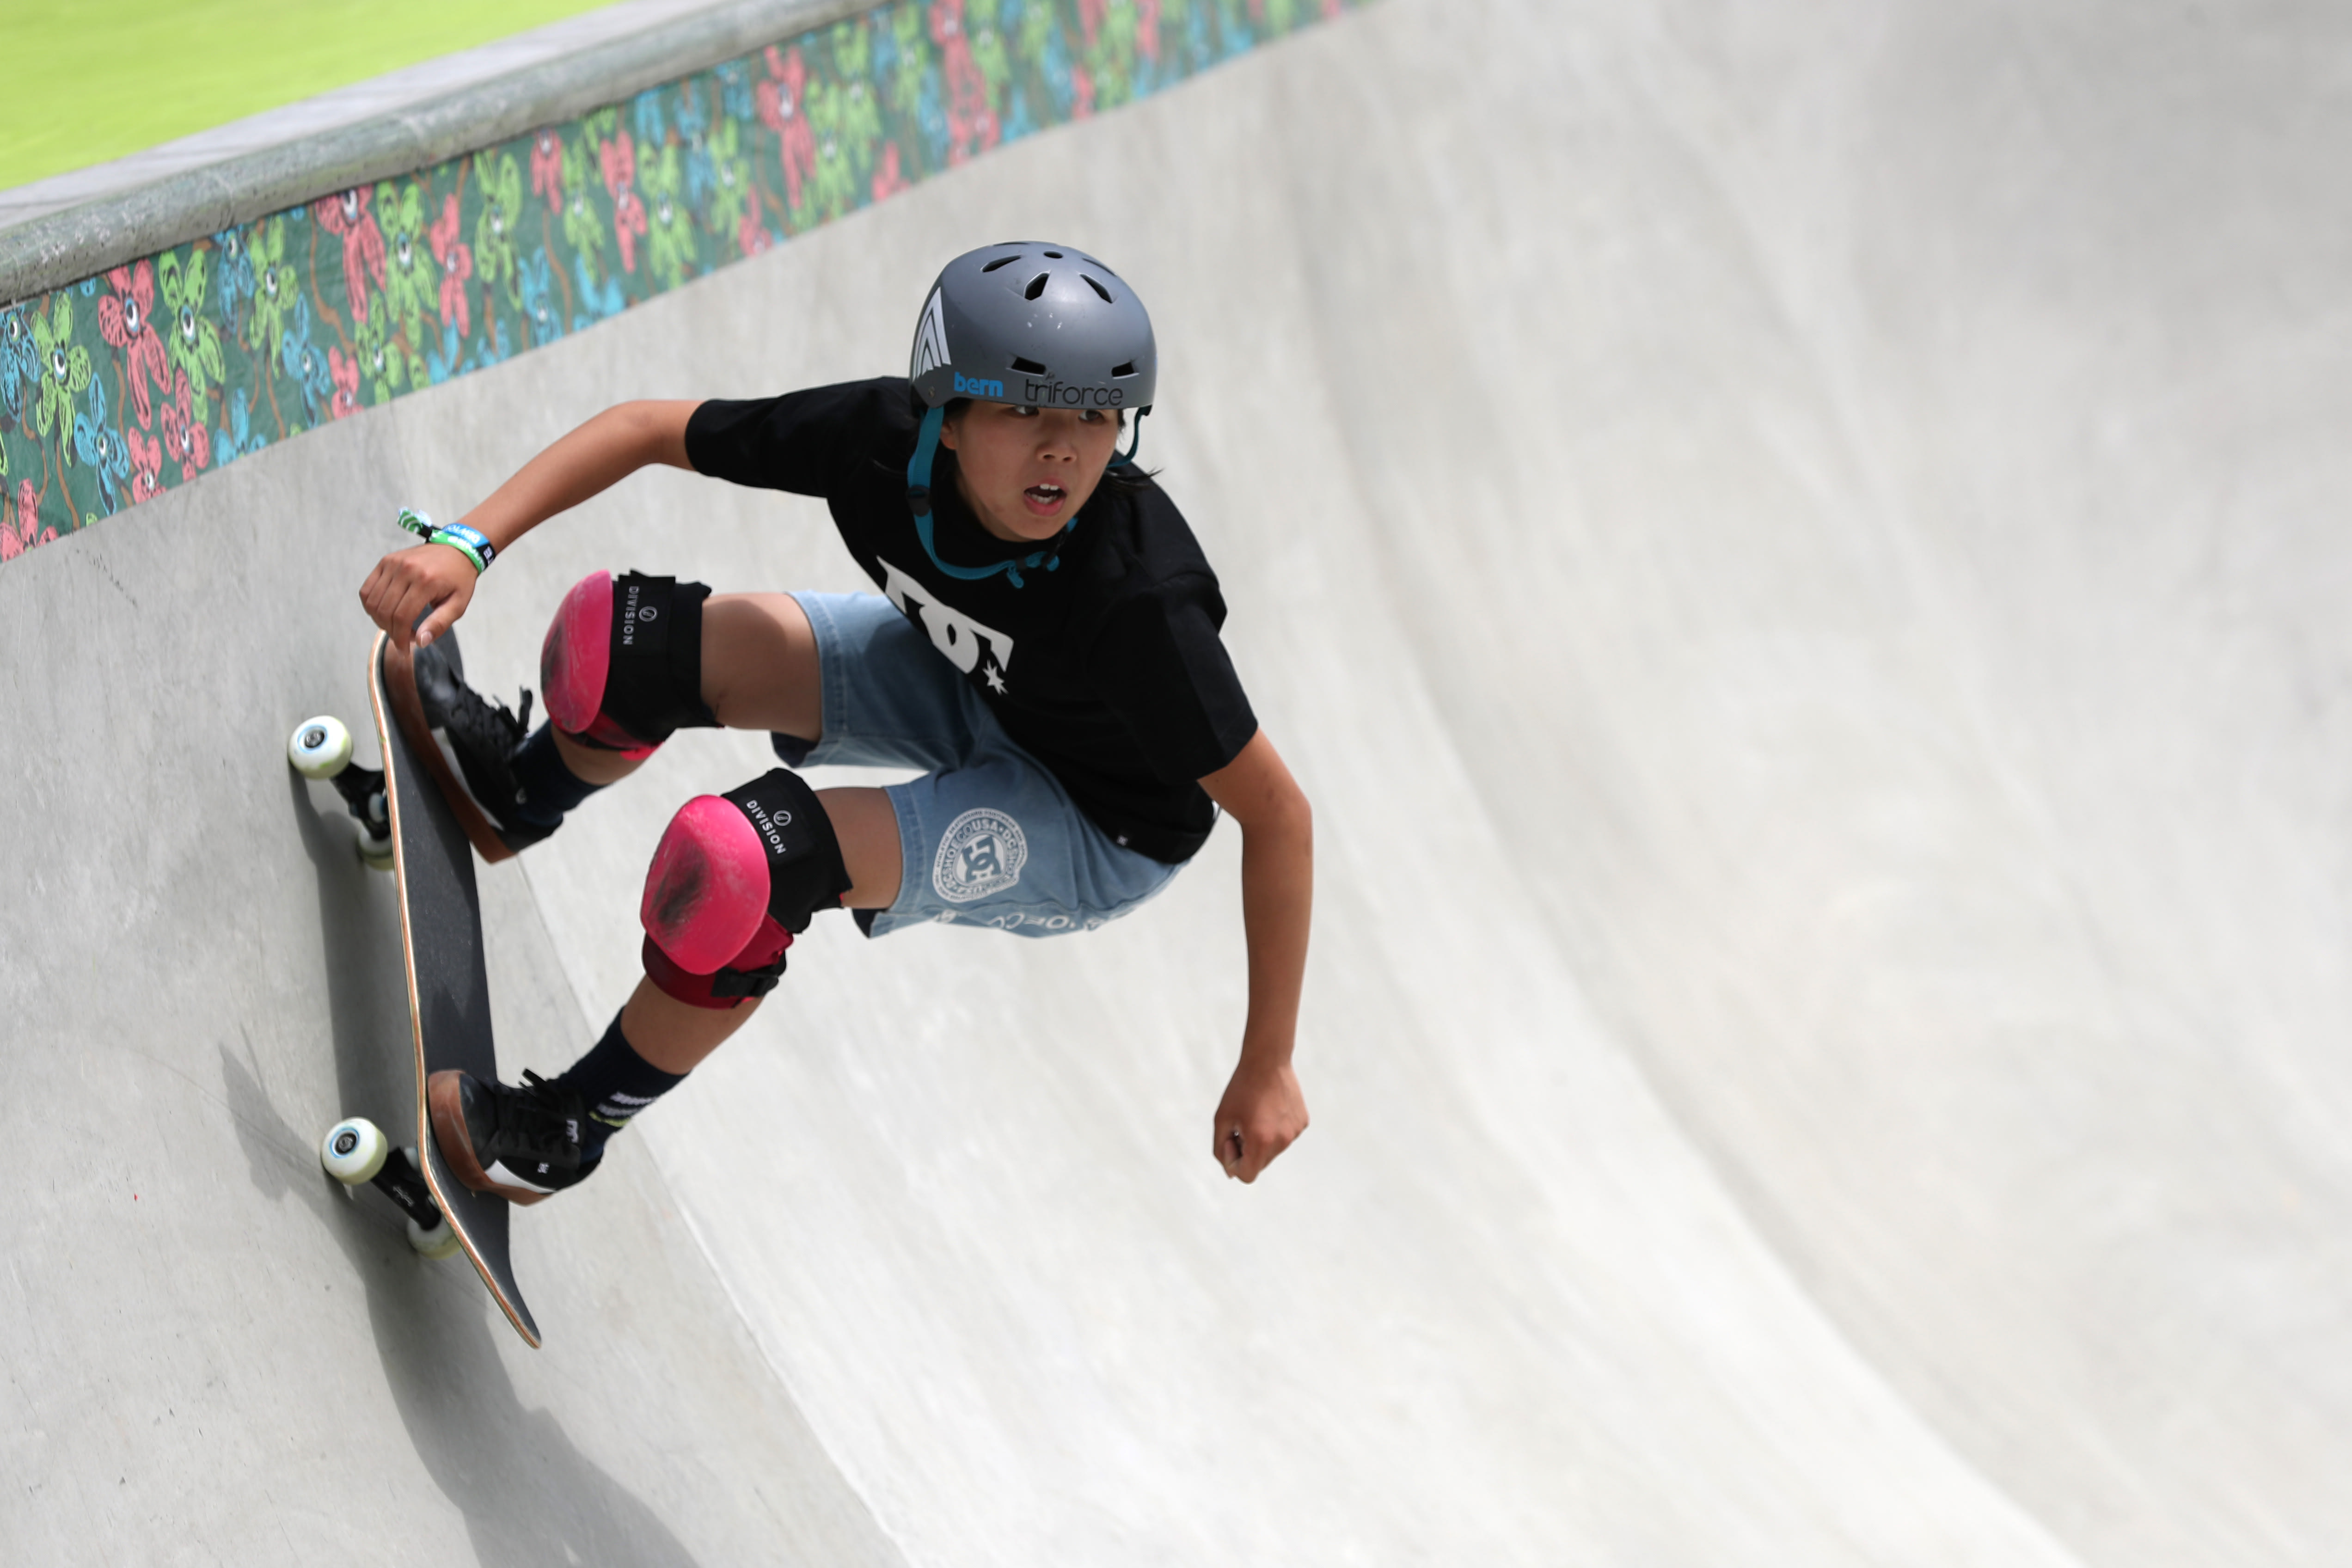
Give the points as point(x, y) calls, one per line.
point(989, 836)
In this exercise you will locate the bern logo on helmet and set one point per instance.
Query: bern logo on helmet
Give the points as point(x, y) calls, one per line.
point(930, 339)
point(973, 387)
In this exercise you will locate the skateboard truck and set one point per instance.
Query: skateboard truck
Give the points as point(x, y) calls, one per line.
point(320, 748)
point(355, 1150)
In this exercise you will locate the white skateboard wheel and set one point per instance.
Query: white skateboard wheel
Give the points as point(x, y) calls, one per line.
point(438, 1241)
point(319, 748)
point(377, 852)
point(442, 1239)
point(354, 1151)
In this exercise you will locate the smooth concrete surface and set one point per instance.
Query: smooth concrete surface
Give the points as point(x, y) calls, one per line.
point(1799, 555)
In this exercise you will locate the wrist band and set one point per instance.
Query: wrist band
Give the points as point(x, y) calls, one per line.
point(443, 536)
point(470, 542)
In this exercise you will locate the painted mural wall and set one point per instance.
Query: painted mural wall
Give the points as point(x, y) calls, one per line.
point(146, 377)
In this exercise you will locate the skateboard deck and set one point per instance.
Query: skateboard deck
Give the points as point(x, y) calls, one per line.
point(441, 949)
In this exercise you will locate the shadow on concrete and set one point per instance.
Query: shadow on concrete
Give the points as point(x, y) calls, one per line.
point(529, 1495)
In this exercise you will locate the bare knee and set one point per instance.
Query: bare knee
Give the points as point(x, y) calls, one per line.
point(759, 665)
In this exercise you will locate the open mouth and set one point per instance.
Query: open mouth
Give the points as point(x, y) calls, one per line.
point(1044, 500)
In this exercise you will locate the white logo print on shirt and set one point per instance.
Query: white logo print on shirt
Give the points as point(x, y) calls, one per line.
point(963, 640)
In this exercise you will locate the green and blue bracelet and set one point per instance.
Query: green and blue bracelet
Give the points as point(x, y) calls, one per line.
point(470, 542)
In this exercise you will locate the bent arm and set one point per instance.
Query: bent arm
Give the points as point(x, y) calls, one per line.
point(1264, 1111)
point(587, 462)
point(592, 458)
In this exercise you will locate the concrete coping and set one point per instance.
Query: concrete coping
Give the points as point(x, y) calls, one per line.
point(58, 231)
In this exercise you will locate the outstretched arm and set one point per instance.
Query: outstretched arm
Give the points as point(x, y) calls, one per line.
point(591, 460)
point(1263, 1111)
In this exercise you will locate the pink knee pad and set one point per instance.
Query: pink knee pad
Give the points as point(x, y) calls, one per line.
point(707, 891)
point(577, 655)
point(621, 668)
point(734, 877)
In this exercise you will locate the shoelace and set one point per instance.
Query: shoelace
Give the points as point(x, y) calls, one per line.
point(532, 1113)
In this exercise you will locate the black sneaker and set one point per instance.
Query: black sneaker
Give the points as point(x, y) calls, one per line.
point(480, 734)
point(521, 1144)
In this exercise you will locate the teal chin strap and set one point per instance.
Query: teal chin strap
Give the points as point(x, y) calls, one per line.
point(1127, 458)
point(919, 501)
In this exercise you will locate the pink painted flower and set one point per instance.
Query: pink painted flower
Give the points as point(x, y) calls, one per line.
point(457, 260)
point(24, 531)
point(1082, 91)
point(1090, 17)
point(346, 374)
point(781, 104)
point(348, 216)
point(185, 438)
point(1147, 29)
point(887, 181)
point(752, 235)
point(547, 169)
point(146, 466)
point(122, 320)
point(619, 158)
point(972, 125)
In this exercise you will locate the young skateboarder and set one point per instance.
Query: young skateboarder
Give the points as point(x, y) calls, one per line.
point(1045, 644)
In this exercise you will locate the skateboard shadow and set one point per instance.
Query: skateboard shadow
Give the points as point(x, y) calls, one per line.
point(527, 1493)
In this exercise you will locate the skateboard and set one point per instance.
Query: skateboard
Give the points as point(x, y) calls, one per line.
point(412, 818)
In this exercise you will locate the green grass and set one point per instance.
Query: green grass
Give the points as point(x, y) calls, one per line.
point(88, 82)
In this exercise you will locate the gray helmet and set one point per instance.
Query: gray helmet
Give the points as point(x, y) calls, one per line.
point(1033, 323)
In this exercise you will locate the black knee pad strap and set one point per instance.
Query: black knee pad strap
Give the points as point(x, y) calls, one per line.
point(805, 871)
point(652, 687)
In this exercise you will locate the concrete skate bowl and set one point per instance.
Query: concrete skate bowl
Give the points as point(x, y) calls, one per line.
point(1799, 560)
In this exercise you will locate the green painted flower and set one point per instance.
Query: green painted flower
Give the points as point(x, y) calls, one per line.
point(1111, 61)
point(731, 179)
point(847, 124)
point(913, 49)
point(275, 289)
point(859, 109)
point(989, 51)
point(1038, 24)
point(192, 337)
point(382, 358)
point(412, 277)
point(499, 178)
point(64, 368)
point(585, 232)
point(673, 243)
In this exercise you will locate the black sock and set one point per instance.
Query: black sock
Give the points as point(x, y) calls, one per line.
point(615, 1083)
point(548, 789)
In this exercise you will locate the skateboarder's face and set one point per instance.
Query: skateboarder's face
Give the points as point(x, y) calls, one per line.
point(1026, 471)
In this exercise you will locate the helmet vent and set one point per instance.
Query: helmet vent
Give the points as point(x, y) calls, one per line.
point(1002, 261)
point(1036, 286)
point(1098, 289)
point(1121, 371)
point(1053, 256)
point(1027, 366)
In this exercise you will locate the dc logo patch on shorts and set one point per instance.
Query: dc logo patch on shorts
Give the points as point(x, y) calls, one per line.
point(981, 853)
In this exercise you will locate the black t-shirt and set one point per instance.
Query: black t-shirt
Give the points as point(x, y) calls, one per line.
point(1107, 669)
